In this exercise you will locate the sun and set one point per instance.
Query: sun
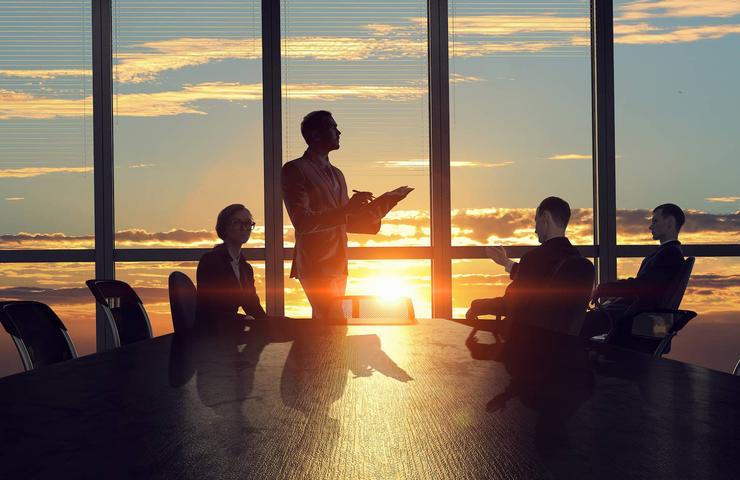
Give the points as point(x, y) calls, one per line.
point(384, 286)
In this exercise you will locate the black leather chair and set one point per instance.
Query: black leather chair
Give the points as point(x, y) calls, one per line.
point(650, 330)
point(569, 291)
point(183, 300)
point(39, 335)
point(124, 310)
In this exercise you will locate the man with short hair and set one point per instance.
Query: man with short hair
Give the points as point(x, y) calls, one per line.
point(531, 275)
point(315, 195)
point(657, 273)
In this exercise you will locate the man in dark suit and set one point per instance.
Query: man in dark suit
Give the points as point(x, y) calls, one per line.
point(648, 288)
point(531, 275)
point(315, 195)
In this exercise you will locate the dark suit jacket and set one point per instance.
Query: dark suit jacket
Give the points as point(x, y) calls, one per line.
point(657, 273)
point(219, 293)
point(530, 279)
point(320, 226)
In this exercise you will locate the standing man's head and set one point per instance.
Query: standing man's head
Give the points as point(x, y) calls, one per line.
point(320, 131)
point(234, 224)
point(667, 222)
point(551, 218)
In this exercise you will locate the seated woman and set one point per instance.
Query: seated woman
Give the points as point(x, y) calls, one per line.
point(225, 279)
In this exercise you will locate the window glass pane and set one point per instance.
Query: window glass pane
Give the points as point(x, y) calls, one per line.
point(675, 81)
point(384, 278)
point(62, 287)
point(520, 117)
point(367, 64)
point(712, 339)
point(476, 278)
point(45, 125)
point(188, 118)
point(150, 280)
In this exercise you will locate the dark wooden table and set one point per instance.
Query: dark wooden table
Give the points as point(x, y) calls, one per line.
point(368, 402)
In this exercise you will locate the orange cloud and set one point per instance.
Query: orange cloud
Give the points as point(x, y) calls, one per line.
point(46, 74)
point(722, 199)
point(424, 163)
point(679, 35)
point(570, 156)
point(643, 9)
point(14, 199)
point(25, 105)
point(28, 172)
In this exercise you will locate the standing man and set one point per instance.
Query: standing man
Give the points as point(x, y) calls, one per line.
point(315, 195)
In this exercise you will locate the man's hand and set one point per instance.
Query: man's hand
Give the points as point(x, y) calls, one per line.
point(498, 255)
point(358, 200)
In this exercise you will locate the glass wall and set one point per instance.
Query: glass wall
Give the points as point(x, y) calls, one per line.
point(62, 287)
point(676, 103)
point(367, 64)
point(149, 279)
point(710, 339)
point(45, 125)
point(520, 117)
point(188, 119)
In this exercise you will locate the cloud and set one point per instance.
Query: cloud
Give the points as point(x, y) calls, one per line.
point(141, 165)
point(458, 78)
point(14, 199)
point(644, 9)
point(424, 163)
point(570, 156)
point(28, 172)
point(183, 101)
point(25, 105)
point(722, 199)
point(679, 35)
point(46, 74)
point(503, 25)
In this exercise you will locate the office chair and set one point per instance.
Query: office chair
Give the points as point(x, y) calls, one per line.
point(563, 310)
point(651, 330)
point(39, 335)
point(183, 300)
point(124, 310)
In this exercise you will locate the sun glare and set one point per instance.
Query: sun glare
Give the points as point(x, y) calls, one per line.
point(386, 287)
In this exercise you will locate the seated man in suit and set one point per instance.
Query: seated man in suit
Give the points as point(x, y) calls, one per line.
point(648, 288)
point(531, 275)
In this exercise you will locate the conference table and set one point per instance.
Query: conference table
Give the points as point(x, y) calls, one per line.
point(299, 399)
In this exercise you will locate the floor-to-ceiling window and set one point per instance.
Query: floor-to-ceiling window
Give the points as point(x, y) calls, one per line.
point(187, 104)
point(188, 120)
point(676, 104)
point(520, 128)
point(46, 162)
point(367, 64)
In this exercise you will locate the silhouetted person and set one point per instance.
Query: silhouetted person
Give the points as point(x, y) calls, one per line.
point(315, 194)
point(225, 280)
point(531, 275)
point(656, 274)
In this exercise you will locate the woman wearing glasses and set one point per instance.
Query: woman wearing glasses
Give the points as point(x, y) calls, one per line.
point(225, 279)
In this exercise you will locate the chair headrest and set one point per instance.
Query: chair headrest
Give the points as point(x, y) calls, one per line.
point(104, 289)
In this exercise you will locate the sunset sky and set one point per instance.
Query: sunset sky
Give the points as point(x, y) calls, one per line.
point(188, 130)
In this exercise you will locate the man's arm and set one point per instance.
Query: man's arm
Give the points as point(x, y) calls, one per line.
point(295, 195)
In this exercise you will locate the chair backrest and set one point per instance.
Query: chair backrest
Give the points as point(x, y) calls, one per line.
point(183, 300)
point(736, 371)
point(568, 293)
point(124, 310)
point(674, 293)
point(39, 335)
point(394, 310)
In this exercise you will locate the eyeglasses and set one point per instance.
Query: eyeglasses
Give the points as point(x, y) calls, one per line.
point(249, 225)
